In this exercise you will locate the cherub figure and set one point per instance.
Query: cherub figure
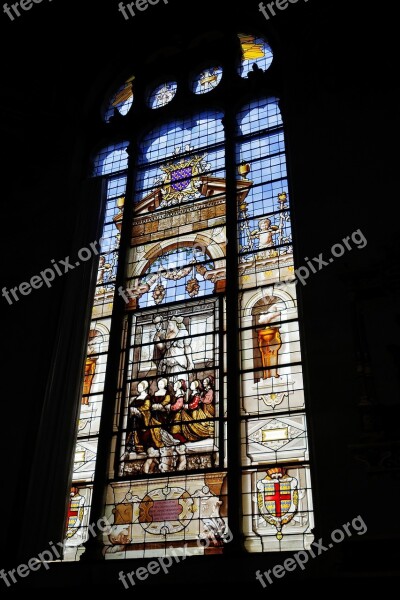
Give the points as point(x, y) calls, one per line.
point(265, 233)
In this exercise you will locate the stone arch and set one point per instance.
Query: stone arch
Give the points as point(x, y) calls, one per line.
point(212, 248)
point(258, 303)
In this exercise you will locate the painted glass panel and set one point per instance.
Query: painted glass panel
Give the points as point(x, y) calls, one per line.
point(122, 100)
point(109, 160)
point(207, 80)
point(170, 413)
point(167, 489)
point(256, 54)
point(277, 509)
point(163, 94)
point(77, 521)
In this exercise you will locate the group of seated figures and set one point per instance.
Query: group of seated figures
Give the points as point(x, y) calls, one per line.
point(170, 418)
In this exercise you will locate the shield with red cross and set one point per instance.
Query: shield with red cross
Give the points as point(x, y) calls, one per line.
point(76, 512)
point(278, 498)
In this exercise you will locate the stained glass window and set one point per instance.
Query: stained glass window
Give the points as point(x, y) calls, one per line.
point(110, 163)
point(122, 100)
point(207, 80)
point(162, 95)
point(277, 503)
point(167, 486)
point(256, 54)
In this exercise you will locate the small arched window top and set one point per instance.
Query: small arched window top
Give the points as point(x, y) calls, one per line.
point(122, 99)
point(255, 51)
point(163, 94)
point(207, 80)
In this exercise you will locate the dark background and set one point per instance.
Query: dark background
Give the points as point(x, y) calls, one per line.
point(339, 84)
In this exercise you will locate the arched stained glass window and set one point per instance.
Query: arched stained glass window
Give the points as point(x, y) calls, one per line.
point(274, 431)
point(162, 95)
point(122, 100)
point(256, 54)
point(207, 80)
point(206, 388)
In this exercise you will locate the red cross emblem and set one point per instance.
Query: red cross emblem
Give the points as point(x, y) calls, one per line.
point(279, 498)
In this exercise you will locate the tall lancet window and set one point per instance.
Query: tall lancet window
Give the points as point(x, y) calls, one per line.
point(192, 390)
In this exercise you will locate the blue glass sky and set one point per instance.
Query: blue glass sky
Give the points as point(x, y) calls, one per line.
point(111, 159)
point(199, 131)
point(175, 289)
